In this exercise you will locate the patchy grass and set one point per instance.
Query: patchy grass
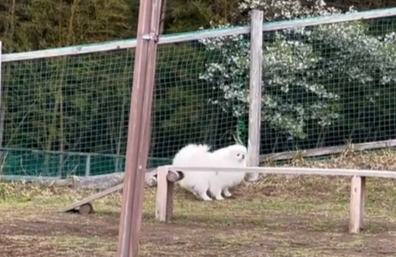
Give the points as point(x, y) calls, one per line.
point(276, 216)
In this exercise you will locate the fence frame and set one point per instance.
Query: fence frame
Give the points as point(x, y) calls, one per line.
point(208, 33)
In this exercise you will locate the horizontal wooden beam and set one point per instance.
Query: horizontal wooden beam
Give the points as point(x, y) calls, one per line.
point(330, 19)
point(328, 150)
point(197, 35)
point(174, 176)
point(36, 179)
point(71, 50)
point(292, 171)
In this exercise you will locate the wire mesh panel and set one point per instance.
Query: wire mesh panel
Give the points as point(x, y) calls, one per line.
point(66, 115)
point(189, 97)
point(69, 115)
point(323, 85)
point(329, 85)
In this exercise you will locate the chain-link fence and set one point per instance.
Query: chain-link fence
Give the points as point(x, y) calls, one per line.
point(329, 85)
point(323, 85)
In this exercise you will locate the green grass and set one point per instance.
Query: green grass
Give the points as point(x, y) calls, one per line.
point(277, 216)
point(295, 219)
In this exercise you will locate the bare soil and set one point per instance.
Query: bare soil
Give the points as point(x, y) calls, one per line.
point(57, 234)
point(277, 216)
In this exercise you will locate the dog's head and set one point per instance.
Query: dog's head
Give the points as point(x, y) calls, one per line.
point(237, 153)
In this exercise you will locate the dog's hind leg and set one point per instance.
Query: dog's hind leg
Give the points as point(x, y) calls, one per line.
point(226, 192)
point(215, 189)
point(200, 192)
point(204, 196)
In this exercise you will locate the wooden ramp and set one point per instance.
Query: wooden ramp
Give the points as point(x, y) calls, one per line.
point(84, 206)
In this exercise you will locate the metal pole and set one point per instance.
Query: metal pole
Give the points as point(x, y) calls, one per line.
point(139, 128)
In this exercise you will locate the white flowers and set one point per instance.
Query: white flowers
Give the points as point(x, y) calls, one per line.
point(306, 72)
point(287, 9)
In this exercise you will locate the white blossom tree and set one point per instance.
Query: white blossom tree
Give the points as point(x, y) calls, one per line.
point(309, 73)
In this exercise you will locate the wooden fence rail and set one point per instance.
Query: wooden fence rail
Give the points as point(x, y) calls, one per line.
point(164, 203)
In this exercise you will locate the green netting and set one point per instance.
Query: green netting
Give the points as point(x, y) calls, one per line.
point(24, 162)
point(322, 86)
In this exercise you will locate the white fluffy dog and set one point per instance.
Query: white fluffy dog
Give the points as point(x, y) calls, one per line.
point(195, 182)
point(233, 156)
point(216, 183)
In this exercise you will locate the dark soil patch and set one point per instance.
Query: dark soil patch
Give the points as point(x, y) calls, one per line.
point(68, 234)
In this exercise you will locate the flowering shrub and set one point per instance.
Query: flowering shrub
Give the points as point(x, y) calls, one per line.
point(320, 76)
point(288, 9)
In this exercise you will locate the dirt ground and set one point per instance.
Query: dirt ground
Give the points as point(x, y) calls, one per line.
point(61, 235)
point(277, 216)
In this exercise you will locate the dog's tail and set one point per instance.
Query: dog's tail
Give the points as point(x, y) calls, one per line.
point(189, 153)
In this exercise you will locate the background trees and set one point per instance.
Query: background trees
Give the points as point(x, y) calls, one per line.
point(81, 103)
point(38, 24)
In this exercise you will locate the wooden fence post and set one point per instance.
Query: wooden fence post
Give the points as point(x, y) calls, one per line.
point(2, 106)
point(164, 196)
point(139, 127)
point(88, 166)
point(255, 84)
point(358, 185)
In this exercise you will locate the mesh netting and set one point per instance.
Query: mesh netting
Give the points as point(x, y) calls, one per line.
point(66, 115)
point(322, 86)
point(69, 115)
point(329, 85)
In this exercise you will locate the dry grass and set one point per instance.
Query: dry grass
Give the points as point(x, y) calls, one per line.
point(276, 216)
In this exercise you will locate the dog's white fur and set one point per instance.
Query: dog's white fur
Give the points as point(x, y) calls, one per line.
point(233, 156)
point(195, 156)
point(216, 183)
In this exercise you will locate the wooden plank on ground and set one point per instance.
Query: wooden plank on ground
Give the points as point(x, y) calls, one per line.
point(93, 197)
point(150, 180)
point(107, 180)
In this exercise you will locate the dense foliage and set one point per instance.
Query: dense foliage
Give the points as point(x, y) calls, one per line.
point(323, 85)
point(38, 24)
